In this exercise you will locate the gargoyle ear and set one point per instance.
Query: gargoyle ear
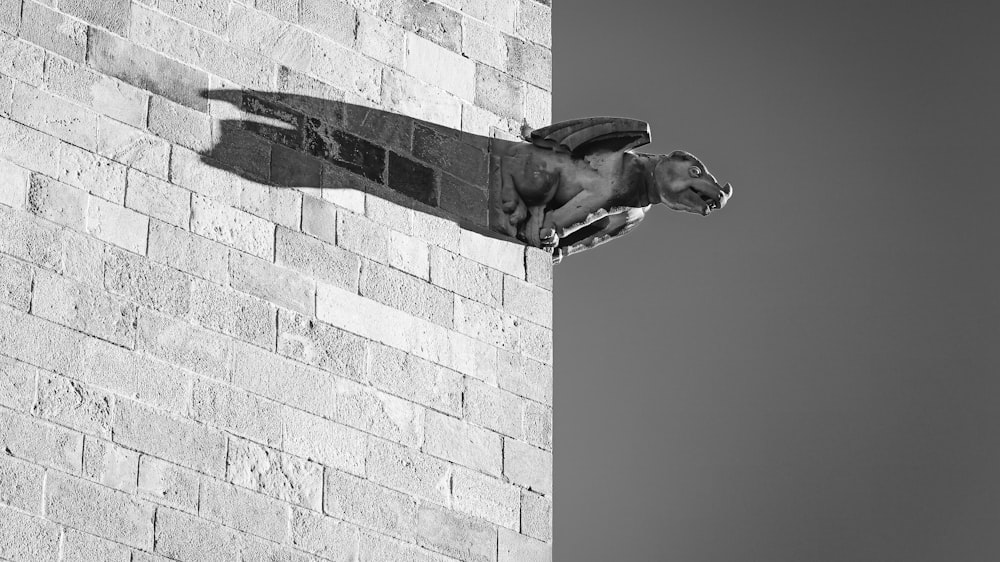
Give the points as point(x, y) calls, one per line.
point(679, 155)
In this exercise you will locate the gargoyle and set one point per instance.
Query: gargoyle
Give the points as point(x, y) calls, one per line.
point(577, 184)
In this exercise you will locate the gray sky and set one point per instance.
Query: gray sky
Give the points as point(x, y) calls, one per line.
point(811, 374)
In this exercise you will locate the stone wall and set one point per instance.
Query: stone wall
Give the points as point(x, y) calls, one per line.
point(246, 310)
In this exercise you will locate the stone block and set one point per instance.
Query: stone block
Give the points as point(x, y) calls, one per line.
point(456, 535)
point(133, 147)
point(145, 69)
point(98, 510)
point(526, 377)
point(416, 379)
point(535, 341)
point(324, 536)
point(237, 412)
point(276, 204)
point(39, 442)
point(110, 465)
point(381, 40)
point(92, 173)
point(380, 548)
point(273, 473)
point(210, 15)
point(287, 10)
point(457, 441)
point(179, 124)
point(117, 225)
point(486, 498)
point(438, 66)
point(321, 345)
point(187, 252)
point(344, 149)
point(409, 471)
point(134, 375)
point(189, 539)
point(486, 324)
point(428, 20)
point(498, 254)
point(409, 294)
point(232, 227)
point(74, 405)
point(464, 200)
point(534, 22)
point(538, 425)
point(412, 179)
point(345, 70)
point(15, 283)
point(20, 60)
point(183, 442)
point(538, 264)
point(245, 511)
point(536, 516)
point(515, 547)
point(319, 219)
point(28, 148)
point(465, 277)
point(21, 485)
point(83, 258)
point(360, 235)
point(55, 117)
point(447, 152)
point(501, 15)
point(281, 286)
point(380, 414)
point(27, 539)
point(54, 31)
point(112, 15)
point(272, 35)
point(14, 182)
point(237, 314)
point(10, 16)
point(530, 63)
point(81, 547)
point(499, 93)
point(361, 502)
point(147, 283)
point(331, 18)
point(286, 381)
point(494, 408)
point(527, 466)
point(76, 306)
point(168, 484)
point(406, 95)
point(323, 441)
point(104, 95)
point(292, 168)
point(43, 343)
point(537, 106)
point(158, 199)
point(484, 43)
point(17, 384)
point(527, 301)
point(318, 259)
point(438, 231)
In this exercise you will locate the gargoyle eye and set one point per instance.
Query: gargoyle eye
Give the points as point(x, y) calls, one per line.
point(695, 171)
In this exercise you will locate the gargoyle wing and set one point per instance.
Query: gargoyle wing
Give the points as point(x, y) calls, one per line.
point(583, 137)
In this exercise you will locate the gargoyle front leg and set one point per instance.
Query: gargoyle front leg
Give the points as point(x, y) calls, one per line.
point(599, 232)
point(580, 211)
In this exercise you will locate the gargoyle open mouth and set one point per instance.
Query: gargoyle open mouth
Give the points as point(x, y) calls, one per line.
point(709, 201)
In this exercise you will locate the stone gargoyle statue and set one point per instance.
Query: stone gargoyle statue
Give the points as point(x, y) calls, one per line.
point(577, 184)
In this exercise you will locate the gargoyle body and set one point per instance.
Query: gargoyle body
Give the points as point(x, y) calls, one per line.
point(577, 184)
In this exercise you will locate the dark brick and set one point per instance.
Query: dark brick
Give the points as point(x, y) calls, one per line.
point(290, 136)
point(446, 152)
point(428, 20)
point(112, 15)
point(293, 87)
point(345, 150)
point(412, 179)
point(10, 16)
point(145, 69)
point(390, 130)
point(238, 148)
point(464, 200)
point(292, 168)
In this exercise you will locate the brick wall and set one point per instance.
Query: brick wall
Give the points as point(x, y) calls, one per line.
point(246, 312)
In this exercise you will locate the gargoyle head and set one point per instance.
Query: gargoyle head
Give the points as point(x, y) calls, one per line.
point(684, 184)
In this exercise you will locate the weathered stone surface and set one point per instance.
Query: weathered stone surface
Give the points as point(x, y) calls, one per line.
point(43, 343)
point(284, 287)
point(15, 283)
point(183, 442)
point(54, 31)
point(55, 117)
point(99, 510)
point(10, 16)
point(410, 471)
point(359, 501)
point(323, 441)
point(380, 548)
point(112, 15)
point(245, 511)
point(378, 413)
point(538, 425)
point(26, 538)
point(514, 547)
point(495, 409)
point(20, 60)
point(21, 484)
point(237, 412)
point(332, 18)
point(321, 345)
point(207, 14)
point(147, 283)
point(189, 539)
point(390, 247)
point(85, 309)
point(110, 465)
point(455, 534)
point(416, 379)
point(134, 375)
point(17, 384)
point(285, 381)
point(440, 67)
point(315, 258)
point(406, 95)
point(94, 174)
point(486, 324)
point(69, 403)
point(188, 252)
point(487, 498)
point(81, 547)
point(275, 474)
point(57, 202)
point(407, 293)
point(158, 199)
point(426, 19)
point(527, 466)
point(324, 536)
point(534, 22)
point(231, 312)
point(536, 516)
point(133, 147)
point(466, 277)
point(168, 484)
point(462, 443)
point(232, 227)
point(103, 94)
point(179, 124)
